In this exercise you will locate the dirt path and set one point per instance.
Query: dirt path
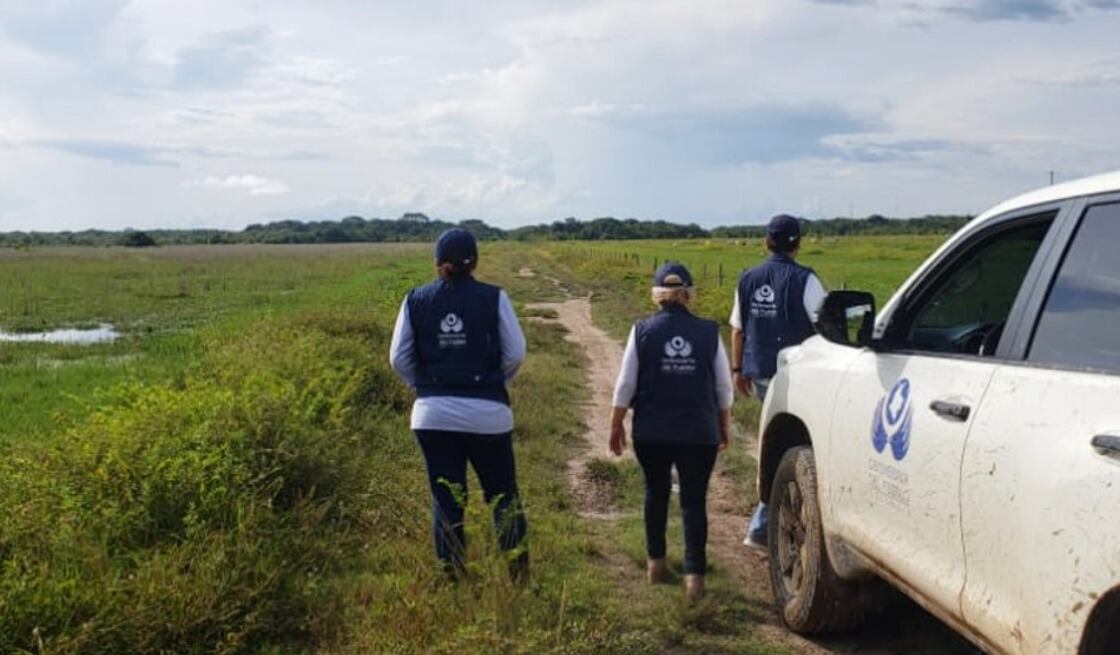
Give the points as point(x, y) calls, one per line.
point(910, 629)
point(604, 355)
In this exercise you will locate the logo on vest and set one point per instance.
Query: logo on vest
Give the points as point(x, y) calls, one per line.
point(764, 302)
point(678, 357)
point(894, 416)
point(452, 335)
point(678, 347)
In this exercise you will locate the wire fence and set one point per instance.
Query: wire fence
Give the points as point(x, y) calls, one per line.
point(704, 270)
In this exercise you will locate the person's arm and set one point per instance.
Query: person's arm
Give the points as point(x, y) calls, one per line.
point(814, 296)
point(624, 389)
point(511, 336)
point(725, 393)
point(402, 349)
point(741, 383)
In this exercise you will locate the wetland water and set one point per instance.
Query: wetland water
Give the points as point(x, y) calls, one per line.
point(100, 334)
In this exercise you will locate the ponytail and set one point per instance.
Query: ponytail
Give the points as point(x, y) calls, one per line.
point(452, 271)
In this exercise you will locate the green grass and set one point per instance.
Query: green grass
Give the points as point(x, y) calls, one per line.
point(236, 473)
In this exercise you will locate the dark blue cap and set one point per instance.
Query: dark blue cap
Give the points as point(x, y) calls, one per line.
point(456, 246)
point(672, 274)
point(784, 230)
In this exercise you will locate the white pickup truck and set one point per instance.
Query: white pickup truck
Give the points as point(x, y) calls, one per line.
point(963, 444)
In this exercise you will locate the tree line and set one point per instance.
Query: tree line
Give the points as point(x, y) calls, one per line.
point(419, 227)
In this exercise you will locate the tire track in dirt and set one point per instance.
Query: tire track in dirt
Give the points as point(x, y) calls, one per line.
point(604, 355)
point(910, 630)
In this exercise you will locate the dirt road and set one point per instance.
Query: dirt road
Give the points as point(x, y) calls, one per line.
point(905, 628)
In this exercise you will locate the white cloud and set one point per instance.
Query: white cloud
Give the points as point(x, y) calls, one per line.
point(255, 185)
point(525, 110)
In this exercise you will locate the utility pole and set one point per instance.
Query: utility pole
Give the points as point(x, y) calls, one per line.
point(1051, 178)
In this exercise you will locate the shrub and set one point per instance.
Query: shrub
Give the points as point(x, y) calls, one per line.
point(207, 517)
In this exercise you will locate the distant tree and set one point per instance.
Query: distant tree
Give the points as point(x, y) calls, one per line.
point(137, 239)
point(415, 217)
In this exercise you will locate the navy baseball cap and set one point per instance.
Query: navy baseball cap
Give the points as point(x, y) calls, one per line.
point(672, 274)
point(784, 230)
point(456, 246)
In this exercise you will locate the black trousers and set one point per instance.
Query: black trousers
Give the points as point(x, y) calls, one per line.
point(694, 469)
point(446, 455)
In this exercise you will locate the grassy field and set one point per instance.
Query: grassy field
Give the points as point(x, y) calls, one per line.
point(235, 473)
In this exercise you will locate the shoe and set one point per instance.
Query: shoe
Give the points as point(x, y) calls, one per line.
point(752, 542)
point(655, 570)
point(694, 586)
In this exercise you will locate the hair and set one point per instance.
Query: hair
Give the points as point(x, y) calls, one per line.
point(673, 295)
point(783, 248)
point(451, 270)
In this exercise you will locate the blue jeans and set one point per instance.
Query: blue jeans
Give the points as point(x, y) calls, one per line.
point(694, 469)
point(760, 388)
point(491, 455)
point(759, 520)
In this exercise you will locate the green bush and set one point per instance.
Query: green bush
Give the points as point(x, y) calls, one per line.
point(203, 518)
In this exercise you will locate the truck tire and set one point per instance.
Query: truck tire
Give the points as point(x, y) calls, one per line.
point(810, 597)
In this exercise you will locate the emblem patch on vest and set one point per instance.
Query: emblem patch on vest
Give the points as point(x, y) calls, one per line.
point(451, 328)
point(764, 302)
point(678, 357)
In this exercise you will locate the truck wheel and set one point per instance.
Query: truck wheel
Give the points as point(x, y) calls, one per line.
point(810, 597)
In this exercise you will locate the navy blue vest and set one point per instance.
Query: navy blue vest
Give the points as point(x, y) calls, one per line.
point(676, 398)
point(772, 312)
point(458, 346)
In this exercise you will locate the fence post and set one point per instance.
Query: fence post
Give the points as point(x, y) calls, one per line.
point(654, 264)
point(720, 274)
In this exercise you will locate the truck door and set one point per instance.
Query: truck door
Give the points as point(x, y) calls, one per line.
point(1041, 475)
point(904, 413)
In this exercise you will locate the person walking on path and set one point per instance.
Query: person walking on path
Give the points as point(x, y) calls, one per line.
point(676, 378)
point(457, 342)
point(775, 305)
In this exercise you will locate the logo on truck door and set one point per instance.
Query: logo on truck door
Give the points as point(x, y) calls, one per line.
point(893, 417)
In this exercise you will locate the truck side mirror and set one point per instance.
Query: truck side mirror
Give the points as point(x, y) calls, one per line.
point(847, 318)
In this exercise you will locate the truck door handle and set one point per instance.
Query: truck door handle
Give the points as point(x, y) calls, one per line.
point(951, 411)
point(1107, 445)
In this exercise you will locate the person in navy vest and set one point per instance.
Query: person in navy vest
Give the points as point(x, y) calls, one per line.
point(676, 378)
point(457, 342)
point(775, 306)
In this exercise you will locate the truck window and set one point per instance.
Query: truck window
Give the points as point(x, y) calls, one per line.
point(966, 307)
point(1080, 322)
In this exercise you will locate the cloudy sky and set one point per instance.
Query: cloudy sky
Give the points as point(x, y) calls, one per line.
point(166, 113)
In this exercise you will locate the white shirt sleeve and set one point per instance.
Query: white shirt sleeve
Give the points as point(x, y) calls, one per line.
point(402, 349)
point(814, 296)
point(512, 338)
point(736, 321)
point(724, 391)
point(627, 383)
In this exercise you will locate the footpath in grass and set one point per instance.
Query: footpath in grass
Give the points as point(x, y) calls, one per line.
point(608, 491)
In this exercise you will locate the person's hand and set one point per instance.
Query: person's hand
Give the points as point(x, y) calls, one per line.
point(743, 384)
point(618, 438)
point(724, 439)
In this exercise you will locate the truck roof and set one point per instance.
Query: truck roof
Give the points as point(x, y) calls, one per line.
point(1104, 183)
